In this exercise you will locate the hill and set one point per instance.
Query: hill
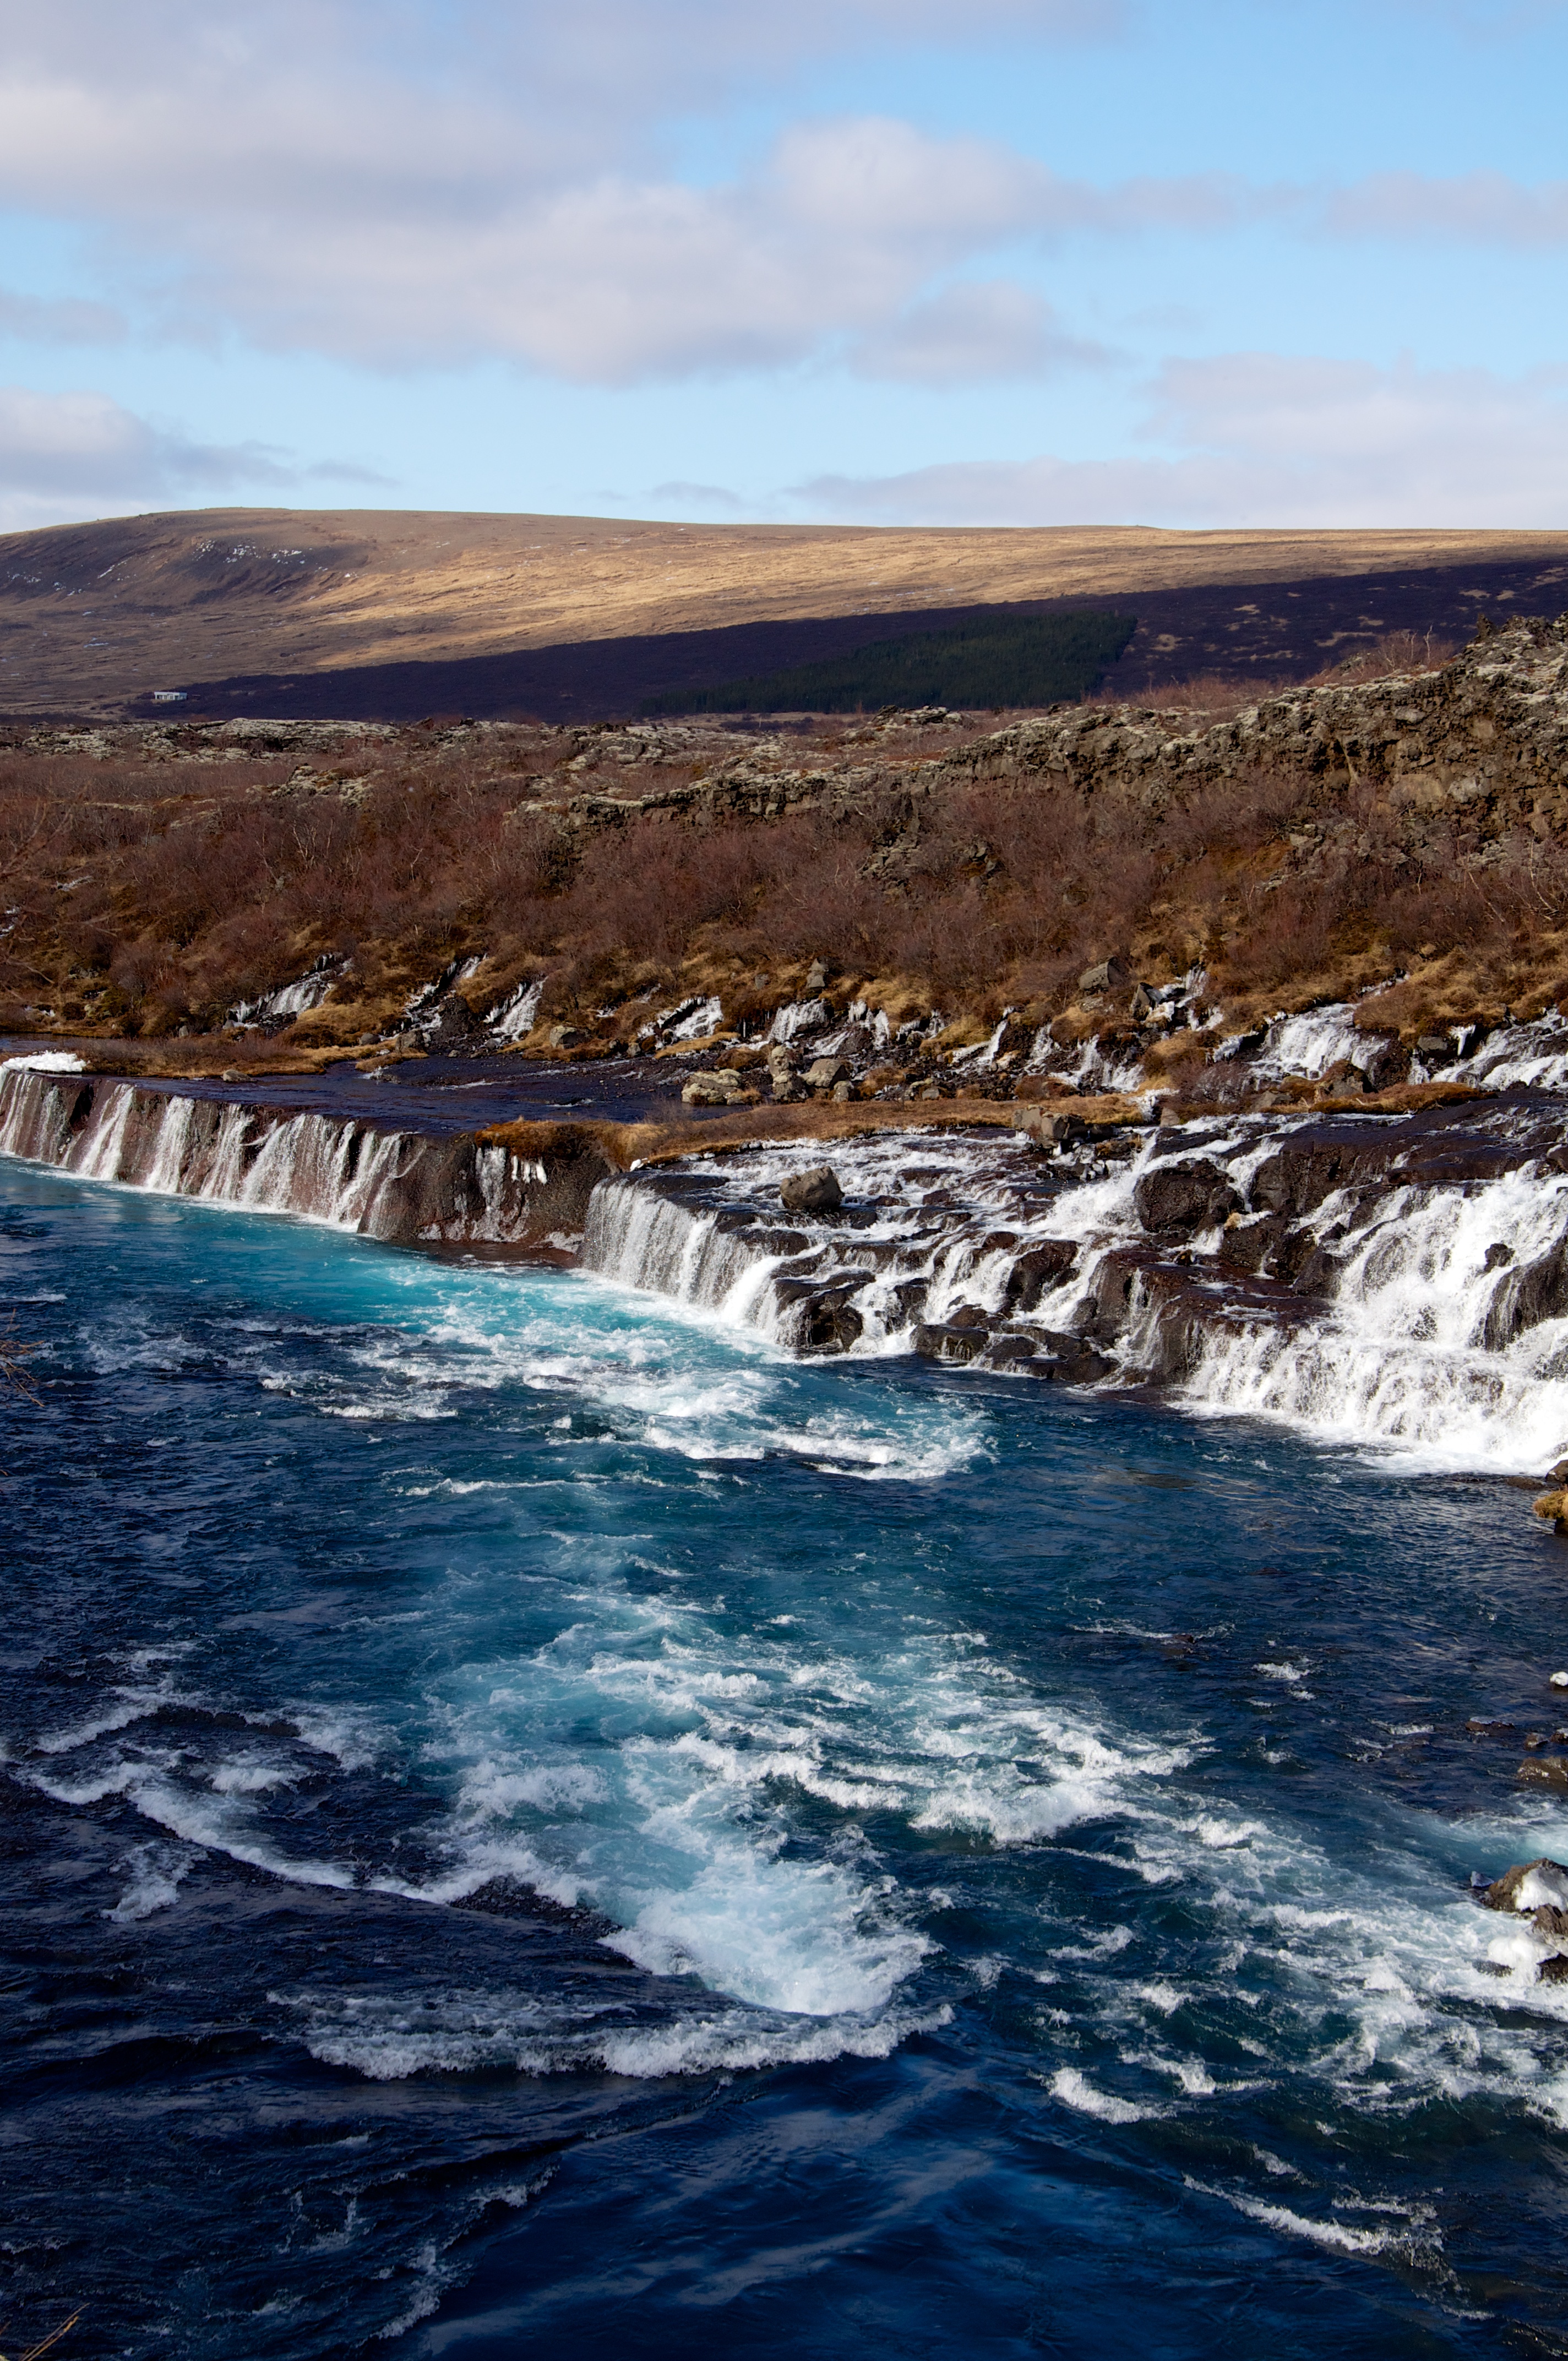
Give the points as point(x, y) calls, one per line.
point(388, 615)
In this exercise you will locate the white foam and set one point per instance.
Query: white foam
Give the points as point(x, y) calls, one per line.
point(387, 2038)
point(1075, 2089)
point(1340, 2237)
point(1545, 1888)
point(156, 1876)
point(44, 1062)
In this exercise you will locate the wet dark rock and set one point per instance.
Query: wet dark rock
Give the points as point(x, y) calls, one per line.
point(1247, 1246)
point(771, 1241)
point(815, 1192)
point(455, 1027)
point(1005, 1349)
point(1551, 1773)
point(1554, 1970)
point(822, 1319)
point(941, 1342)
point(1528, 1294)
point(1175, 1313)
point(1545, 1876)
point(1382, 1059)
point(1498, 1256)
point(1037, 1271)
point(908, 1301)
point(968, 1316)
point(831, 1324)
point(1317, 1272)
point(1084, 1367)
point(1184, 1197)
point(1505, 1730)
point(1298, 1176)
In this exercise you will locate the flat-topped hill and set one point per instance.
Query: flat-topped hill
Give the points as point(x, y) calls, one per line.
point(387, 614)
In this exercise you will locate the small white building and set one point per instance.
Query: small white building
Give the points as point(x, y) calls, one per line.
point(169, 696)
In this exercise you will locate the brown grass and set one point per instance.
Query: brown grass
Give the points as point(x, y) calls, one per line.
point(624, 1144)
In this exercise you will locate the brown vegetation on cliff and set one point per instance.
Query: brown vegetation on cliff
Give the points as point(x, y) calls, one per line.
point(1305, 846)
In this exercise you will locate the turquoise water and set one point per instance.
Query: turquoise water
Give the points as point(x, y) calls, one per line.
point(1006, 1853)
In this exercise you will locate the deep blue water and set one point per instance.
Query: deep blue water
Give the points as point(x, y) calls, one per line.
point(1010, 1850)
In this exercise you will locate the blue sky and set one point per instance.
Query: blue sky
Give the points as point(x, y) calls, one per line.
point(1008, 261)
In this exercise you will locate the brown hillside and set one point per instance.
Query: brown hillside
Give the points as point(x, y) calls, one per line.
point(93, 617)
point(1406, 828)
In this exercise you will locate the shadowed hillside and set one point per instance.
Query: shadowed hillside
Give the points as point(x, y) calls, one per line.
point(381, 615)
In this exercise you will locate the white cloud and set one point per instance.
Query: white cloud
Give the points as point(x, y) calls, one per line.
point(399, 189)
point(423, 185)
point(1485, 208)
point(35, 320)
point(832, 237)
point(1272, 441)
point(76, 455)
point(989, 329)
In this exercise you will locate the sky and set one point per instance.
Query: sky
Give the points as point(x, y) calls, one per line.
point(838, 262)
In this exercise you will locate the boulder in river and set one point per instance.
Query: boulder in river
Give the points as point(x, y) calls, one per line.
point(1540, 1884)
point(1537, 1890)
point(946, 1341)
point(1036, 1271)
point(816, 1192)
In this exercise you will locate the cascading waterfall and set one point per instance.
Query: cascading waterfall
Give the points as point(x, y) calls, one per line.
point(1436, 1336)
point(1437, 1322)
point(669, 1247)
point(1403, 1353)
point(346, 1174)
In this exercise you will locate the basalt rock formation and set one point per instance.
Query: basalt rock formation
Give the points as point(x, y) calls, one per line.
point(1487, 736)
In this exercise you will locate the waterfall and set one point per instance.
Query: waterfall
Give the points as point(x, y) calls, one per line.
point(1419, 1345)
point(1431, 1319)
point(342, 1172)
point(1394, 1281)
point(667, 1246)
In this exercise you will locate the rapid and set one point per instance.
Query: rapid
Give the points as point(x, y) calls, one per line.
point(540, 1818)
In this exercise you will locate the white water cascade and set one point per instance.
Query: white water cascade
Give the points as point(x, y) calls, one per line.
point(1430, 1318)
point(1400, 1355)
point(1437, 1338)
point(342, 1172)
